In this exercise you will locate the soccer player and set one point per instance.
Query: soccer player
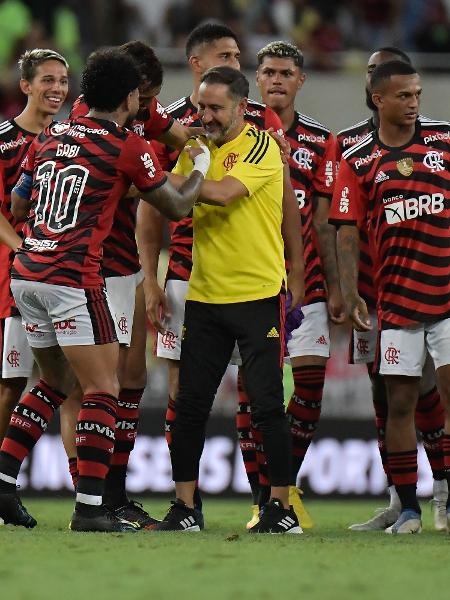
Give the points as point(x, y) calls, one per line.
point(123, 279)
point(227, 303)
point(430, 412)
point(280, 77)
point(394, 183)
point(208, 45)
point(44, 80)
point(75, 175)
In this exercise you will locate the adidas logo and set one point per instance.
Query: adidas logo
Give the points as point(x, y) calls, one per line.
point(188, 522)
point(286, 523)
point(381, 176)
point(322, 341)
point(273, 333)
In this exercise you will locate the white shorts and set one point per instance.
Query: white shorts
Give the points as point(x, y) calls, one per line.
point(16, 355)
point(122, 300)
point(364, 343)
point(312, 338)
point(403, 351)
point(168, 345)
point(58, 314)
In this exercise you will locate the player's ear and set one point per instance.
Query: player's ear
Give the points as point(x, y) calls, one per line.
point(25, 87)
point(195, 64)
point(242, 106)
point(377, 99)
point(301, 79)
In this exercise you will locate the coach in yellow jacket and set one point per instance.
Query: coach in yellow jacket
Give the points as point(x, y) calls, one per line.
point(235, 294)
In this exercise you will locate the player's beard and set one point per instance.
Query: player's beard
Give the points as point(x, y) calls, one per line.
point(220, 134)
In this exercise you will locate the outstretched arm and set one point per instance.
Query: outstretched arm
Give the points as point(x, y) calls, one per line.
point(176, 203)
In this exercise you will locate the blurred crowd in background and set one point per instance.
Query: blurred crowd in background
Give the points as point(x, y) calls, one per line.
point(333, 35)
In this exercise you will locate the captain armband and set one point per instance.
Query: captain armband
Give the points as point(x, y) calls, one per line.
point(23, 186)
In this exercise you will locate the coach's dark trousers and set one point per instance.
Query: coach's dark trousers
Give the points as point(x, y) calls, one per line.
point(210, 333)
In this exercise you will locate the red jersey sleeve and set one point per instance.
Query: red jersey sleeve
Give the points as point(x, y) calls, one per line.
point(28, 161)
point(349, 199)
point(158, 122)
point(79, 108)
point(138, 161)
point(271, 119)
point(166, 155)
point(325, 175)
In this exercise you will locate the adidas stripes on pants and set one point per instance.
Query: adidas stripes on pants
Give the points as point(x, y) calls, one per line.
point(210, 333)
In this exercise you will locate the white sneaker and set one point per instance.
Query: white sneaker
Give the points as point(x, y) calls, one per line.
point(384, 517)
point(409, 521)
point(439, 504)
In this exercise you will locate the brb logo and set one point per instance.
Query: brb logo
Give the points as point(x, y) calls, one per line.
point(411, 208)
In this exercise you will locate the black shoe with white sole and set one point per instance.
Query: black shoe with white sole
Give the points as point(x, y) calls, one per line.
point(274, 518)
point(179, 518)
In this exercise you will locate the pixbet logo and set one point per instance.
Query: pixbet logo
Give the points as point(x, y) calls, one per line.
point(365, 160)
point(411, 208)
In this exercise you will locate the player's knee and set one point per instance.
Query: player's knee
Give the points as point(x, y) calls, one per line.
point(401, 408)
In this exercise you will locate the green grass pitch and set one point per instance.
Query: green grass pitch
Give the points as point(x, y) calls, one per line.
point(222, 562)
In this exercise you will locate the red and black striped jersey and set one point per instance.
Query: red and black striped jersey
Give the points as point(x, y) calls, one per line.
point(402, 196)
point(14, 144)
point(120, 253)
point(81, 170)
point(312, 167)
point(345, 140)
point(180, 248)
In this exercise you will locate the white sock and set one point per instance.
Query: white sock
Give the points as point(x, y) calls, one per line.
point(440, 489)
point(88, 499)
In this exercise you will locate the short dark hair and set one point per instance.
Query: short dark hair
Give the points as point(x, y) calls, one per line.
point(109, 76)
point(236, 81)
point(396, 52)
point(31, 59)
point(146, 60)
point(281, 50)
point(386, 70)
point(401, 56)
point(207, 33)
